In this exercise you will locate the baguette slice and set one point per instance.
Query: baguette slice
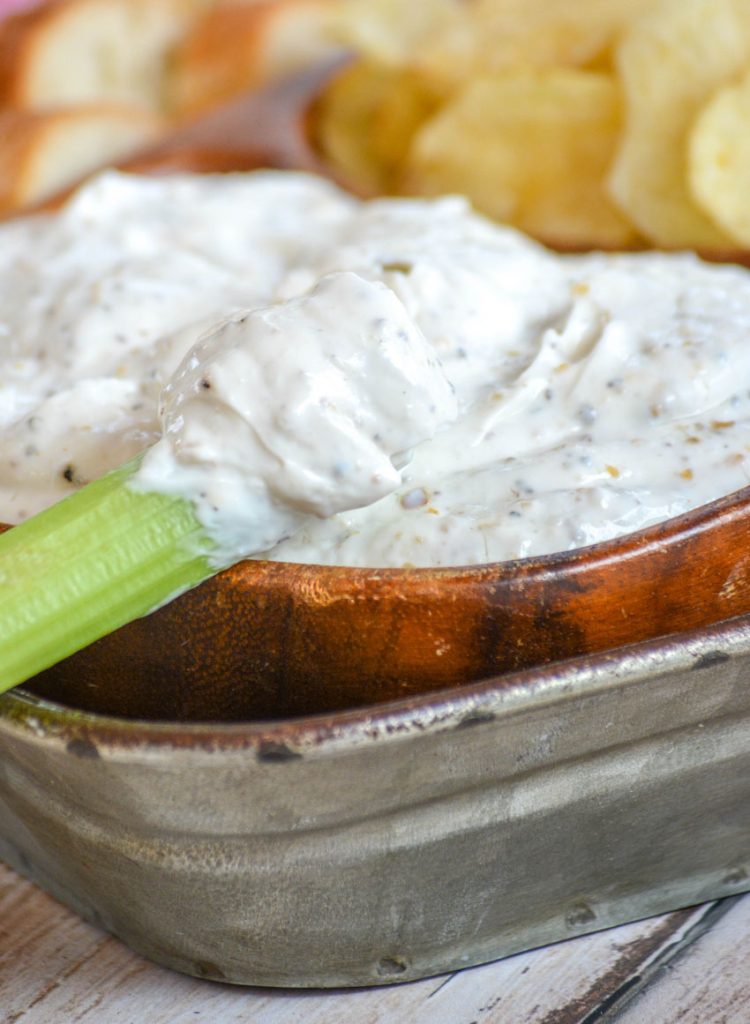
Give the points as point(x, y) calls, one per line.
point(240, 45)
point(90, 51)
point(41, 153)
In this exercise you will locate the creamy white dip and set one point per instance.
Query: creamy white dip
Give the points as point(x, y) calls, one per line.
point(479, 397)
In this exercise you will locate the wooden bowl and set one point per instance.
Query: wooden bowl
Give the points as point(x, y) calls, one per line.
point(270, 640)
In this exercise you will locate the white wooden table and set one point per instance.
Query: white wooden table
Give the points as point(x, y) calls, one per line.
point(691, 967)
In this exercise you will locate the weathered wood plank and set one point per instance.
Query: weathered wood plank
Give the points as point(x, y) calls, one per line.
point(55, 968)
point(707, 981)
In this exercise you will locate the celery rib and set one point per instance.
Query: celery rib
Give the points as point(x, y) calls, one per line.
point(106, 555)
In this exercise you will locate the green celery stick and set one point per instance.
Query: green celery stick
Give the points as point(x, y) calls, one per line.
point(102, 557)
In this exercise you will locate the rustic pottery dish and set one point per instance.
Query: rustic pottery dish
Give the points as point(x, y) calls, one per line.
point(272, 780)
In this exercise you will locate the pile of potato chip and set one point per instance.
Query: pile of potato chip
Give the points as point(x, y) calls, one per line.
point(584, 122)
point(595, 123)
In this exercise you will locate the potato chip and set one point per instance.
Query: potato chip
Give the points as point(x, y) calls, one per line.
point(388, 31)
point(404, 104)
point(719, 160)
point(503, 35)
point(343, 125)
point(529, 148)
point(670, 62)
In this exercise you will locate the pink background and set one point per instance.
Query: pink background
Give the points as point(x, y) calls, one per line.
point(6, 6)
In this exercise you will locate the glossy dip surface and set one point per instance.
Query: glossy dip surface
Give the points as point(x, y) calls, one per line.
point(557, 400)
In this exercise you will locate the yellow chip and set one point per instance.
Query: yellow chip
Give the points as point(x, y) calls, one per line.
point(719, 160)
point(510, 35)
point(530, 149)
point(549, 33)
point(670, 62)
point(343, 126)
point(404, 104)
point(388, 31)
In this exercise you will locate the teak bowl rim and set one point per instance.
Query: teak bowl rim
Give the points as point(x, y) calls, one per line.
point(398, 716)
point(44, 721)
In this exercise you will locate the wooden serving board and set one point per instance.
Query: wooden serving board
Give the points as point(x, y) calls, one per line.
point(689, 966)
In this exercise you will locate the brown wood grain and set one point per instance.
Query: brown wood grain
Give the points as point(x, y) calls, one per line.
point(269, 640)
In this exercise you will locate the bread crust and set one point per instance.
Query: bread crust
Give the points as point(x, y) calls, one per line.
point(16, 38)
point(69, 51)
point(43, 151)
point(237, 46)
point(120, 71)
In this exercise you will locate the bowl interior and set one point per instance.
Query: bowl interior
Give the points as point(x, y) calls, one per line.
point(266, 641)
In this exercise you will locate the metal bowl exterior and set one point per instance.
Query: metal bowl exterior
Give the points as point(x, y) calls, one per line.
point(399, 841)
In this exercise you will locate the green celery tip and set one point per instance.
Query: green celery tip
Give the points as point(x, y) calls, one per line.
point(95, 561)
